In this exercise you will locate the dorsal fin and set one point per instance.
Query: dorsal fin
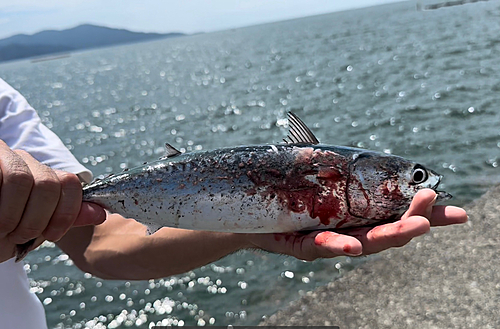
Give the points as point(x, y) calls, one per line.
point(170, 151)
point(299, 133)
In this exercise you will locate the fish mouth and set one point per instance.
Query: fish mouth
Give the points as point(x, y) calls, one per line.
point(441, 195)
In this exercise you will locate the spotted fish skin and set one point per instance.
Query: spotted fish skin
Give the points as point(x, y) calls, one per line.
point(266, 188)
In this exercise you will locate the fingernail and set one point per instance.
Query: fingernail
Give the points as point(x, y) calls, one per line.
point(434, 200)
point(429, 207)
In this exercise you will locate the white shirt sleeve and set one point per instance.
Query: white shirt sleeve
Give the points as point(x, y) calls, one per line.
point(21, 128)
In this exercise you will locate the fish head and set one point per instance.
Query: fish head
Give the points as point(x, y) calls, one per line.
point(382, 187)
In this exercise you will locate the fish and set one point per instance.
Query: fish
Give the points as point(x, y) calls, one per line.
point(298, 185)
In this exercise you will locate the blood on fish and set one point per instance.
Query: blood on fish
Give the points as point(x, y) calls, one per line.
point(342, 223)
point(274, 172)
point(391, 189)
point(322, 199)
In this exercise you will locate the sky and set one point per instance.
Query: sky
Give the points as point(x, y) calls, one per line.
point(187, 16)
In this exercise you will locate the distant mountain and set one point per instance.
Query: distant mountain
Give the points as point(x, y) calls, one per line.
point(77, 38)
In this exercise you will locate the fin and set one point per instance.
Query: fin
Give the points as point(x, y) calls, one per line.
point(170, 151)
point(152, 228)
point(23, 249)
point(299, 133)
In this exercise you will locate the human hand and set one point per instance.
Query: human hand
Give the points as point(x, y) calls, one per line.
point(416, 221)
point(37, 202)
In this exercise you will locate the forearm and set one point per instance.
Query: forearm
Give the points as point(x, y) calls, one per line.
point(120, 249)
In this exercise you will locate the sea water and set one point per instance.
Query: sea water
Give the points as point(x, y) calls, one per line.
point(420, 84)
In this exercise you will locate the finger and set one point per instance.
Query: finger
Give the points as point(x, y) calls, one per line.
point(421, 204)
point(21, 250)
point(90, 214)
point(68, 207)
point(331, 244)
point(447, 215)
point(391, 235)
point(16, 183)
point(41, 204)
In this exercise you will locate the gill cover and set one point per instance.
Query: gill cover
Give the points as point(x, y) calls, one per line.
point(378, 186)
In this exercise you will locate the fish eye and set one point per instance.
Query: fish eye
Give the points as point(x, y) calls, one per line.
point(419, 174)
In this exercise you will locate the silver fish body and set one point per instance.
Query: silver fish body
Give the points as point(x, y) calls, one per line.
point(267, 188)
point(299, 185)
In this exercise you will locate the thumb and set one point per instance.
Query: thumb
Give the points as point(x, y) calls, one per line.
point(90, 214)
